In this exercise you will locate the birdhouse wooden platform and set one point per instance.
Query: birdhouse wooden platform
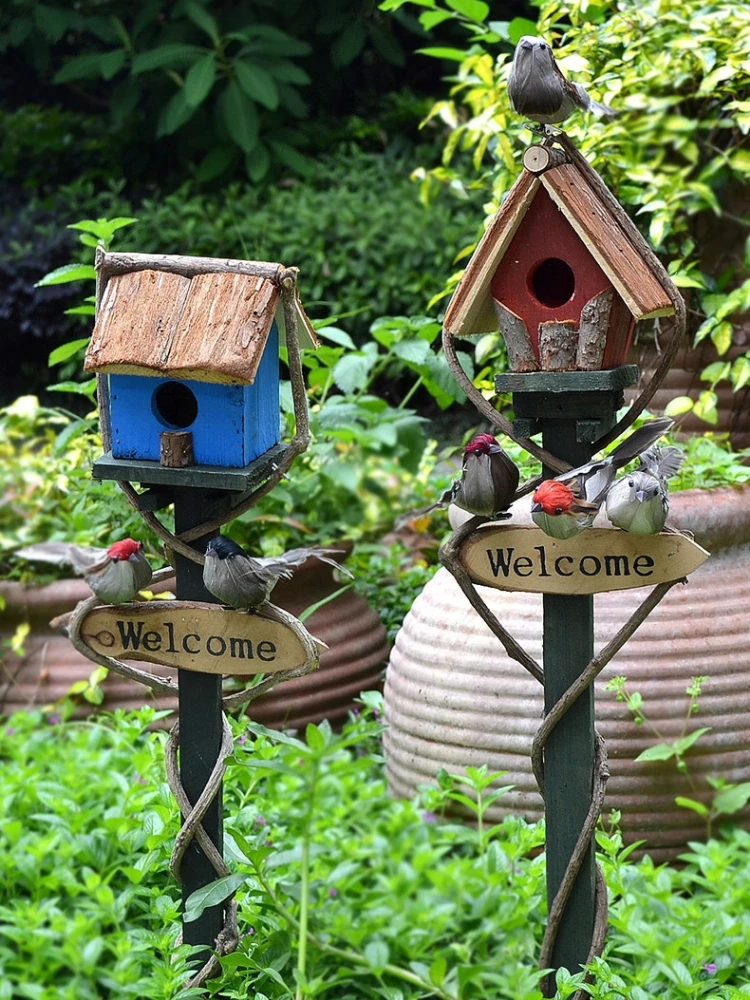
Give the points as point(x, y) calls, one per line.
point(559, 273)
point(189, 346)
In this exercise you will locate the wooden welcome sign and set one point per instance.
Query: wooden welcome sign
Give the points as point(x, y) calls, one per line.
point(194, 636)
point(596, 560)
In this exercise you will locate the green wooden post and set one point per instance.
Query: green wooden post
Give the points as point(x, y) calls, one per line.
point(568, 645)
point(572, 409)
point(200, 728)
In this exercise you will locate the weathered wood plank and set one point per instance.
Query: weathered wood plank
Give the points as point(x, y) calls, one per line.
point(595, 381)
point(592, 331)
point(470, 310)
point(598, 560)
point(194, 636)
point(209, 477)
point(558, 342)
point(517, 340)
point(607, 242)
point(213, 327)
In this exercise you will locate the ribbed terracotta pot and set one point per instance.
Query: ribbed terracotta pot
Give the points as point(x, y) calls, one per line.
point(453, 697)
point(353, 662)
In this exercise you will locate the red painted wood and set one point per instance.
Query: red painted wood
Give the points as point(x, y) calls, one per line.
point(543, 234)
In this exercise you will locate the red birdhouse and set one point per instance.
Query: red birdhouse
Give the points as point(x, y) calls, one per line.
point(559, 273)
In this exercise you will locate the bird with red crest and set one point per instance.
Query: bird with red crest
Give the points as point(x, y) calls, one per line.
point(564, 506)
point(115, 574)
point(487, 484)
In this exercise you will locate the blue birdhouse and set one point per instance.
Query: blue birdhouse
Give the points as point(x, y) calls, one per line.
point(197, 353)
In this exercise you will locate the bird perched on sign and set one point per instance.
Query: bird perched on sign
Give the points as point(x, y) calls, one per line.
point(564, 506)
point(115, 574)
point(538, 89)
point(640, 502)
point(486, 486)
point(243, 581)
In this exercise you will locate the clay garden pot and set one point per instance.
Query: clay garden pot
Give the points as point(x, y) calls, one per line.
point(453, 698)
point(353, 662)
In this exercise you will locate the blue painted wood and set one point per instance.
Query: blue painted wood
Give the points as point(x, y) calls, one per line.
point(234, 423)
point(262, 408)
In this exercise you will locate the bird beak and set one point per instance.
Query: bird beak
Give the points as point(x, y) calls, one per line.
point(640, 495)
point(536, 508)
point(525, 44)
point(495, 449)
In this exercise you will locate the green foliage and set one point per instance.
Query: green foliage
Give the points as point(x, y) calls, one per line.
point(728, 798)
point(678, 75)
point(227, 81)
point(45, 458)
point(396, 903)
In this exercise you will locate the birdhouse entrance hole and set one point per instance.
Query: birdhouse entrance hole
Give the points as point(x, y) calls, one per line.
point(552, 282)
point(175, 405)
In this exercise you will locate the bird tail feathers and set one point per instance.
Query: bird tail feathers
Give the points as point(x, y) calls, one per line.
point(62, 554)
point(661, 462)
point(639, 441)
point(296, 557)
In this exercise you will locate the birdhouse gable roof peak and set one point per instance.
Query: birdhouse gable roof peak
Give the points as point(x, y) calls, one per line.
point(618, 249)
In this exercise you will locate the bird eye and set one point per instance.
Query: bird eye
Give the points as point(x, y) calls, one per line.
point(630, 482)
point(558, 510)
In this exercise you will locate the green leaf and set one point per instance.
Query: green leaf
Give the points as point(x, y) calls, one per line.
point(257, 83)
point(693, 804)
point(275, 736)
point(312, 608)
point(216, 162)
point(705, 407)
point(662, 751)
point(740, 373)
point(112, 62)
point(350, 373)
point(415, 351)
point(86, 67)
point(65, 351)
point(349, 44)
point(291, 157)
point(377, 954)
point(431, 18)
point(52, 22)
point(475, 10)
point(442, 52)
point(240, 117)
point(731, 800)
point(519, 27)
point(721, 335)
point(77, 388)
point(679, 405)
point(200, 17)
point(174, 115)
point(68, 272)
point(336, 336)
point(211, 895)
point(258, 162)
point(165, 56)
point(200, 79)
point(314, 738)
point(681, 746)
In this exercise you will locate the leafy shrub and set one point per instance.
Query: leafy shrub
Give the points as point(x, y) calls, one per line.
point(226, 80)
point(399, 904)
point(675, 156)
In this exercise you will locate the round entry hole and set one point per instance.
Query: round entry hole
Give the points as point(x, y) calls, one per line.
point(552, 282)
point(175, 404)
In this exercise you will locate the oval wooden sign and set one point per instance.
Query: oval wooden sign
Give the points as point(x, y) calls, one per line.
point(193, 636)
point(597, 560)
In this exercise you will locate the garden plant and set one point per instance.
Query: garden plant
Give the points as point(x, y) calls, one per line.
point(231, 130)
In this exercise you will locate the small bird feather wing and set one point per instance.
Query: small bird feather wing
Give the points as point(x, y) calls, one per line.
point(81, 558)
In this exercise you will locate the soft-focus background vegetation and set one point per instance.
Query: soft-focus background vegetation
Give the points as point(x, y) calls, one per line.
point(367, 145)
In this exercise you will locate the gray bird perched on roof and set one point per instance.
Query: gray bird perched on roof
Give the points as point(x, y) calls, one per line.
point(538, 89)
point(243, 581)
point(639, 503)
